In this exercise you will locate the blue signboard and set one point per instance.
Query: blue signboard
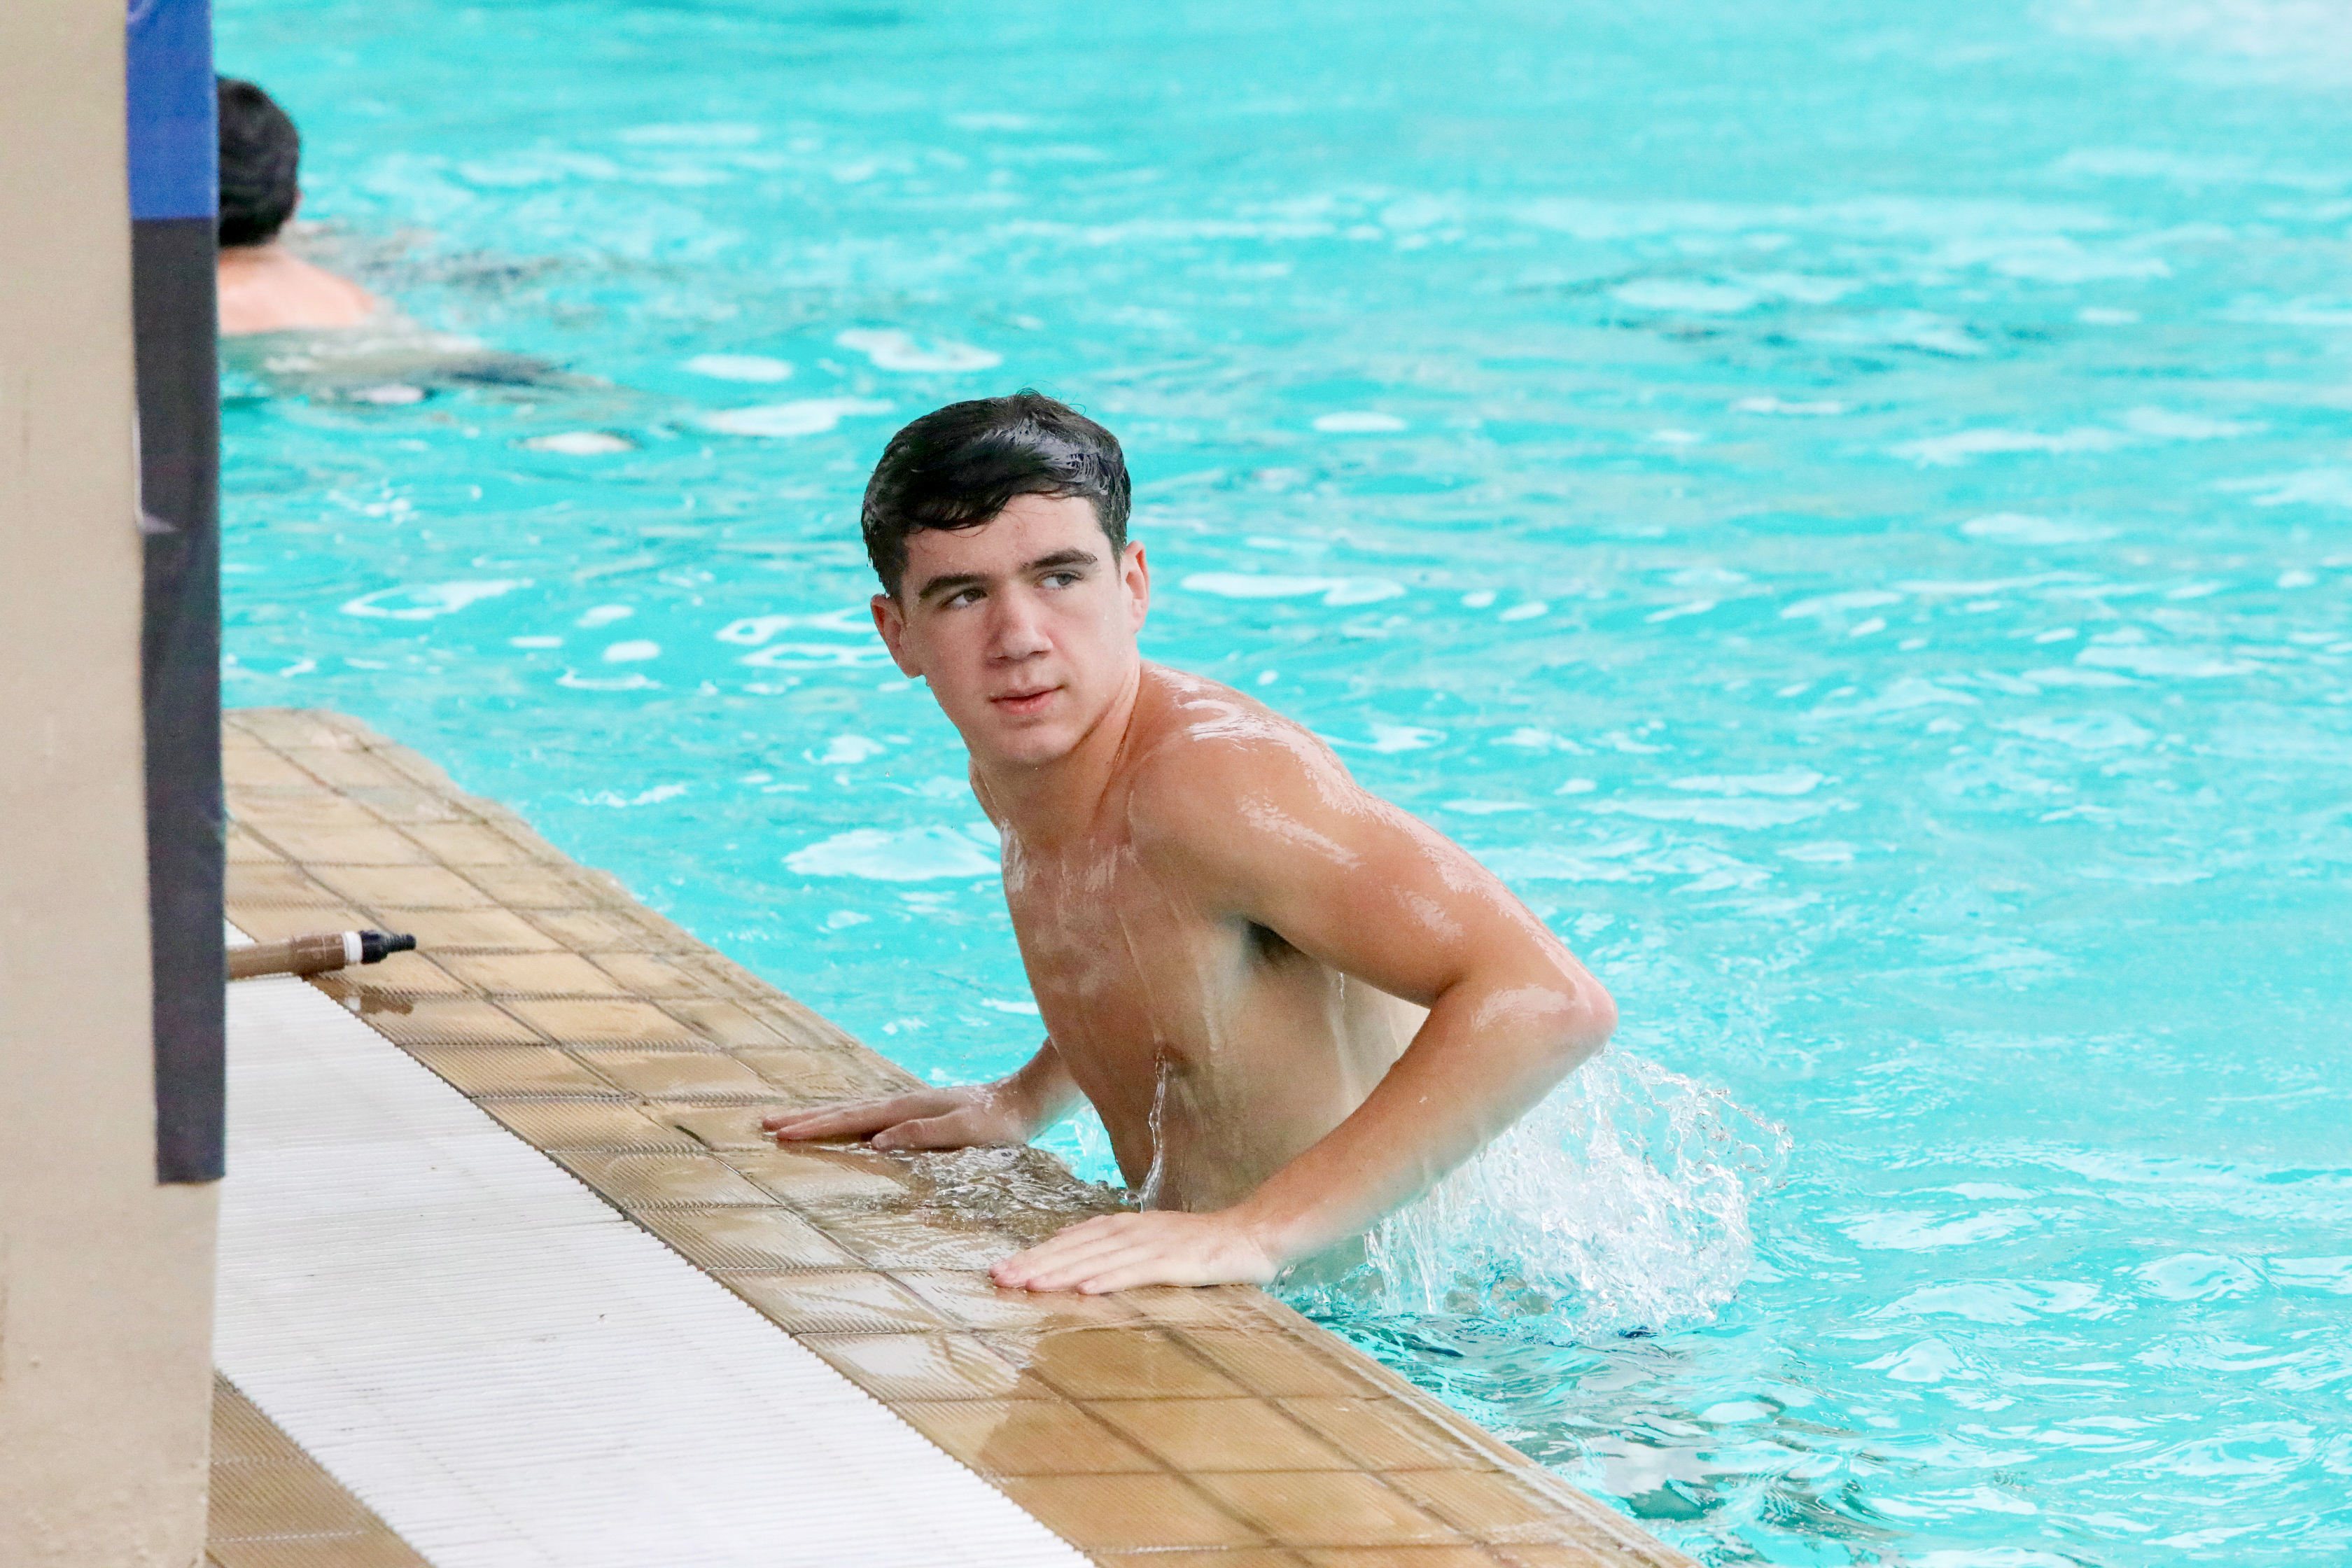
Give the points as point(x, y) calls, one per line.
point(174, 143)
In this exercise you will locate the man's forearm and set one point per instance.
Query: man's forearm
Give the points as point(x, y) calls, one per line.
point(1043, 1088)
point(1482, 1059)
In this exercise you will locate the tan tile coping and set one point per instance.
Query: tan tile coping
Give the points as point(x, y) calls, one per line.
point(273, 1507)
point(1169, 1427)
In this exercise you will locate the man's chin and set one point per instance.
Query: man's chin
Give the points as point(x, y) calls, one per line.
point(1020, 745)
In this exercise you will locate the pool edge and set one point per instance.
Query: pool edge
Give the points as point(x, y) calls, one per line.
point(1170, 1427)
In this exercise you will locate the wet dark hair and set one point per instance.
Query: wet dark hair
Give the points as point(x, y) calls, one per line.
point(258, 151)
point(958, 467)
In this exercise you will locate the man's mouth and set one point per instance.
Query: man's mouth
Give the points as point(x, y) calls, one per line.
point(1021, 704)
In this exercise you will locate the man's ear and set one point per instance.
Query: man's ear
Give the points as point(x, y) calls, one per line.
point(891, 622)
point(1135, 571)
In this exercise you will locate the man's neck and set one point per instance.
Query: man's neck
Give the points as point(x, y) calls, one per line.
point(1045, 804)
point(249, 257)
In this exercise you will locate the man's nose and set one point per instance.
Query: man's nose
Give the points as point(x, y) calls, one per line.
point(1020, 628)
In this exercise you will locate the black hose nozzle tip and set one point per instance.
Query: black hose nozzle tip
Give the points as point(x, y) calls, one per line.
point(375, 946)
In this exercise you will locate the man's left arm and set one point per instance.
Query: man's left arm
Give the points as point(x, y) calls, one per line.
point(1375, 894)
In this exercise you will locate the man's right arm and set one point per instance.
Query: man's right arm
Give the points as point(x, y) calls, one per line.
point(1011, 1111)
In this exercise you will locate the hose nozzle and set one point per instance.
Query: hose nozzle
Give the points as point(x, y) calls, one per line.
point(316, 954)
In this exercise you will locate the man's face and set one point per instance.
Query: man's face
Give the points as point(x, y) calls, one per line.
point(1025, 627)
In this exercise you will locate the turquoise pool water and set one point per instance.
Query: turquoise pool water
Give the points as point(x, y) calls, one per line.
point(1848, 508)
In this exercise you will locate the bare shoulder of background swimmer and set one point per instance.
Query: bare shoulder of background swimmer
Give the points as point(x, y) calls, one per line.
point(1254, 820)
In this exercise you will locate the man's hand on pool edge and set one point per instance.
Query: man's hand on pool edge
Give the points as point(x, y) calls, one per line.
point(1009, 1110)
point(923, 1119)
point(1159, 1247)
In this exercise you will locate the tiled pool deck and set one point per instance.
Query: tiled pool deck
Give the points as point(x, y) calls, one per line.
point(1211, 1428)
point(273, 1507)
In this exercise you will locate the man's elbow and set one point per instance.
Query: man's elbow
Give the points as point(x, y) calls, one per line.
point(1600, 1015)
point(1587, 1018)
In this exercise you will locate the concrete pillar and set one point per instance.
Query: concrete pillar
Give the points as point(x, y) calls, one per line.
point(105, 1274)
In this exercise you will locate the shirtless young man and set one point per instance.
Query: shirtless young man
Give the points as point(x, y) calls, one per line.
point(1294, 1005)
point(263, 286)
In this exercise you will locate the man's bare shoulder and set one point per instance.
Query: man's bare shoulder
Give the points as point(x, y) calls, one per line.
point(1210, 768)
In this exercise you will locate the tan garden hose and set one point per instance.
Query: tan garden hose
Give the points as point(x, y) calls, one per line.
point(315, 954)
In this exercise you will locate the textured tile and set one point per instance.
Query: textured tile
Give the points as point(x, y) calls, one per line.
point(242, 847)
point(274, 882)
point(1488, 1505)
point(270, 807)
point(1559, 1556)
point(598, 1124)
point(1219, 1435)
point(817, 1175)
point(400, 974)
point(468, 844)
point(511, 1071)
point(406, 804)
point(837, 1301)
point(383, 1550)
point(242, 1436)
point(531, 974)
point(1384, 1434)
point(894, 1367)
point(818, 1078)
point(1284, 1365)
point(530, 888)
point(249, 765)
point(662, 1181)
point(275, 922)
point(458, 1021)
point(1209, 1557)
point(345, 768)
point(757, 1240)
point(1122, 1364)
point(285, 1501)
point(1397, 1557)
point(416, 769)
point(414, 887)
point(909, 1241)
point(731, 1128)
point(1025, 1437)
point(673, 1073)
point(614, 1022)
point(800, 1026)
point(722, 1023)
point(439, 930)
point(285, 727)
point(272, 1506)
point(642, 974)
point(340, 846)
point(975, 1302)
point(583, 930)
point(1327, 1507)
point(1128, 1513)
point(1206, 1307)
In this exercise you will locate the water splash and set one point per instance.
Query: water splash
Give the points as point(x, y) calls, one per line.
point(1621, 1202)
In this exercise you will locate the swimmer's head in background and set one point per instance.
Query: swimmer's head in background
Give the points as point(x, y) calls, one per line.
point(258, 151)
point(958, 467)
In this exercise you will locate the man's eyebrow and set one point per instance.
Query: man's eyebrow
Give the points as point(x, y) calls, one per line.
point(955, 582)
point(948, 583)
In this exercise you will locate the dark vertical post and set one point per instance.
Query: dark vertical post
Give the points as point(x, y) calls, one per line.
point(175, 150)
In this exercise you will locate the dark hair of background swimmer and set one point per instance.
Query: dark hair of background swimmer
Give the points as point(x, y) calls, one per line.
point(258, 151)
point(960, 466)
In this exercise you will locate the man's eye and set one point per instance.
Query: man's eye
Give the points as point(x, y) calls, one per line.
point(1061, 579)
point(962, 596)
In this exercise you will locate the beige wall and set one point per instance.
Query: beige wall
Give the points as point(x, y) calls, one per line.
point(105, 1277)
